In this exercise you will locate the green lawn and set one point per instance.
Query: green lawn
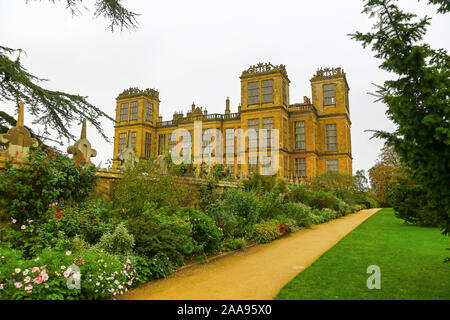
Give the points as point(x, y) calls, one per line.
point(410, 259)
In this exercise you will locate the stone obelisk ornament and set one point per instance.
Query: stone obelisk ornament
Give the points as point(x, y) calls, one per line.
point(18, 140)
point(128, 157)
point(82, 150)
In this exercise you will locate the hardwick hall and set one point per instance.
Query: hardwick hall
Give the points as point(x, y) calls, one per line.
point(301, 140)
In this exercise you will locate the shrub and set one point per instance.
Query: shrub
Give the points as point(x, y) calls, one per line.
point(230, 244)
point(329, 214)
point(228, 222)
point(316, 217)
point(144, 184)
point(243, 204)
point(28, 190)
point(299, 212)
point(119, 242)
point(291, 223)
point(152, 238)
point(204, 230)
point(322, 200)
point(265, 231)
point(300, 193)
point(271, 206)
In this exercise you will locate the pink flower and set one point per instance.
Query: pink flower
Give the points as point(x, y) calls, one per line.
point(29, 287)
point(35, 269)
point(38, 280)
point(23, 227)
point(27, 279)
point(17, 284)
point(13, 220)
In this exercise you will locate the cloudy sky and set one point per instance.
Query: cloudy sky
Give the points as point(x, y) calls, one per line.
point(196, 50)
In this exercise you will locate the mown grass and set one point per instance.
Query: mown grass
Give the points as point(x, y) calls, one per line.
point(410, 259)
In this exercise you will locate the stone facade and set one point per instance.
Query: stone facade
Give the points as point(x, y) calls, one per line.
point(309, 137)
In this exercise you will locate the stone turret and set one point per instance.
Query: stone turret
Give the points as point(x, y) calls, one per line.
point(82, 150)
point(18, 140)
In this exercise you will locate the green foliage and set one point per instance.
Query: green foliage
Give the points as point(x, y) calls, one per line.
point(262, 184)
point(322, 199)
point(266, 231)
point(243, 204)
point(408, 199)
point(340, 184)
point(28, 190)
point(204, 230)
point(119, 242)
point(299, 213)
point(417, 98)
point(230, 244)
point(144, 184)
point(271, 205)
point(229, 223)
point(300, 193)
point(152, 238)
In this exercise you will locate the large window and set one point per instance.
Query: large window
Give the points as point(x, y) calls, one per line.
point(207, 143)
point(124, 112)
point(331, 137)
point(133, 110)
point(300, 168)
point(253, 92)
point(285, 134)
point(229, 145)
point(172, 142)
point(253, 129)
point(240, 147)
point(148, 144)
point(149, 112)
point(186, 143)
point(328, 94)
point(299, 134)
point(267, 91)
point(332, 165)
point(133, 139)
point(267, 165)
point(268, 132)
point(122, 141)
point(162, 144)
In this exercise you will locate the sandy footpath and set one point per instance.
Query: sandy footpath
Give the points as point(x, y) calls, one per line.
point(257, 273)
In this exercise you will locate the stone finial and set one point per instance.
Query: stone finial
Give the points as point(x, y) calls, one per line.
point(18, 140)
point(227, 106)
point(162, 164)
point(82, 150)
point(20, 117)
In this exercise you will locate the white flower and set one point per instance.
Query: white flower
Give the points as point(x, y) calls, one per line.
point(17, 270)
point(25, 272)
point(128, 261)
point(63, 267)
point(23, 227)
point(27, 279)
point(97, 284)
point(68, 253)
point(13, 220)
point(36, 259)
point(77, 276)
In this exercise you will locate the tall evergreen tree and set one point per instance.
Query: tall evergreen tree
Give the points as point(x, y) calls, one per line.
point(56, 109)
point(417, 100)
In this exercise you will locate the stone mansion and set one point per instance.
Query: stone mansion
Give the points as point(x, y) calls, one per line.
point(267, 134)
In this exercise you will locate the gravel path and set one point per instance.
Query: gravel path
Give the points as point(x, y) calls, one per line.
point(256, 273)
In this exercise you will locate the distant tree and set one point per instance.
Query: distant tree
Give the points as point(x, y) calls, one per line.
point(418, 99)
point(383, 172)
point(55, 109)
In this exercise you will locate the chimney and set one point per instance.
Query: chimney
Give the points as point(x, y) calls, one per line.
point(227, 106)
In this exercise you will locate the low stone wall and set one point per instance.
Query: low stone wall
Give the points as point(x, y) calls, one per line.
point(108, 179)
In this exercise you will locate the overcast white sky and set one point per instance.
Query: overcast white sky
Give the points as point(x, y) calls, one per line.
point(196, 50)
